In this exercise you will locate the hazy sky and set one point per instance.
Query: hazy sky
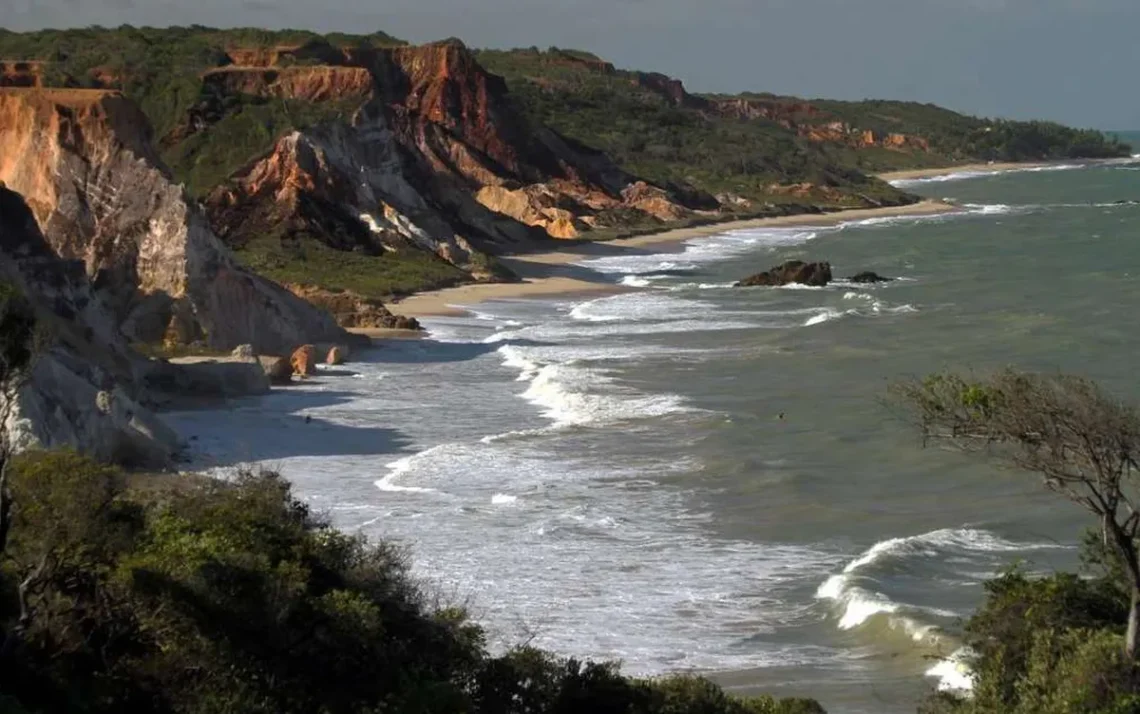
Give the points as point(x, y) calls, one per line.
point(1075, 61)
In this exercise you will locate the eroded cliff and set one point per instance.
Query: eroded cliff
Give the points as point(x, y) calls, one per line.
point(84, 162)
point(437, 159)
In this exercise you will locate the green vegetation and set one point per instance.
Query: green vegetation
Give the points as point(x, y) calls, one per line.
point(1061, 644)
point(232, 597)
point(310, 261)
point(248, 128)
point(1049, 645)
point(650, 135)
point(160, 69)
point(656, 130)
point(955, 137)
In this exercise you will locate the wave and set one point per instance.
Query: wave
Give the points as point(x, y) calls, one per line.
point(698, 251)
point(568, 392)
point(871, 306)
point(857, 601)
point(826, 314)
point(640, 307)
point(982, 173)
point(402, 467)
point(954, 673)
point(503, 499)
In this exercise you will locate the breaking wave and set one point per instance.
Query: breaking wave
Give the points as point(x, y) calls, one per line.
point(982, 173)
point(573, 394)
point(857, 601)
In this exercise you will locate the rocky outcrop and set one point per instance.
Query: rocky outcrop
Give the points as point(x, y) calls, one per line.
point(352, 310)
point(277, 369)
point(868, 277)
point(304, 360)
point(21, 73)
point(793, 271)
point(336, 355)
point(308, 83)
point(102, 196)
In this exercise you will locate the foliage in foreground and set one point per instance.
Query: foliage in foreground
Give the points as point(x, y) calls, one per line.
point(1062, 644)
point(233, 597)
point(1048, 645)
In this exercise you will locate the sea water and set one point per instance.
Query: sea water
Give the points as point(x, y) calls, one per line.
point(692, 477)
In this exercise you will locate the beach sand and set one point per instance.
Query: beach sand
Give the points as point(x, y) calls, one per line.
point(555, 272)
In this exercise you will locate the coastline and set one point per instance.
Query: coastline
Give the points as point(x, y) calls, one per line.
point(555, 273)
point(995, 167)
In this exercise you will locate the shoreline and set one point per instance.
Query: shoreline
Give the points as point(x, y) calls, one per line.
point(555, 273)
point(995, 167)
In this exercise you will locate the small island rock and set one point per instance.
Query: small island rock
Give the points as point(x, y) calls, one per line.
point(868, 277)
point(793, 271)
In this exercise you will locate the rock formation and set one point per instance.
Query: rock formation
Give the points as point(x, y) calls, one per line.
point(352, 310)
point(304, 360)
point(102, 196)
point(793, 271)
point(868, 277)
point(277, 369)
point(436, 159)
point(86, 386)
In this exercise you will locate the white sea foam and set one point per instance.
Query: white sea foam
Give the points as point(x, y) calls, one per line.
point(954, 673)
point(636, 281)
point(641, 306)
point(504, 499)
point(572, 394)
point(401, 467)
point(852, 590)
point(826, 314)
point(698, 251)
point(982, 173)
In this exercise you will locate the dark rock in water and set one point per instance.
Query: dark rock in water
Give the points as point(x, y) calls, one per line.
point(793, 271)
point(868, 277)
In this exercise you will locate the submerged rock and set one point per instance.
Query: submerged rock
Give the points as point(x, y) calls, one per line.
point(868, 277)
point(793, 271)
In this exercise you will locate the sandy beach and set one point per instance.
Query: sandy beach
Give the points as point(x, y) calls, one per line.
point(555, 272)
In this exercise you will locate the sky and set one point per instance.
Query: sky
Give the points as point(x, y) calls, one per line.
point(1074, 61)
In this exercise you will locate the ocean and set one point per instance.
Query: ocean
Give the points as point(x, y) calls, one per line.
point(692, 477)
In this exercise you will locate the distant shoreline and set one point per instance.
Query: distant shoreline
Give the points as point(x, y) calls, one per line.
point(555, 273)
point(913, 174)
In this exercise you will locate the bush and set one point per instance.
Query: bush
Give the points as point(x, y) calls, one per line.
point(232, 597)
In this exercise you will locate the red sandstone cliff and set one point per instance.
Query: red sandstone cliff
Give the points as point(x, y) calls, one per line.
point(436, 157)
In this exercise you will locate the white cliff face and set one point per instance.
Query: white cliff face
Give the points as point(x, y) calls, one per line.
point(84, 390)
point(59, 406)
point(100, 195)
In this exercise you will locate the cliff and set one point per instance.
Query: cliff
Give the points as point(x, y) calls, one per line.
point(439, 159)
point(84, 390)
point(101, 195)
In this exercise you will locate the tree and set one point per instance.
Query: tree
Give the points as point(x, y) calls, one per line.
point(1084, 443)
